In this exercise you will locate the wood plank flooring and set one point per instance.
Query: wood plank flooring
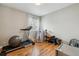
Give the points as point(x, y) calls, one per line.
point(39, 49)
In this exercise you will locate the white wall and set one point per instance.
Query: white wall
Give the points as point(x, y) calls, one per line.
point(11, 21)
point(63, 23)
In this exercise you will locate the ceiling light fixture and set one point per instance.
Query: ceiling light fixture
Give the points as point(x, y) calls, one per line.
point(37, 3)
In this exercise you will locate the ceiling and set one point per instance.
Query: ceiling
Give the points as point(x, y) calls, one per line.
point(39, 10)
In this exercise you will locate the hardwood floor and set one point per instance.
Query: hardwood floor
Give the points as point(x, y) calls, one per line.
point(39, 49)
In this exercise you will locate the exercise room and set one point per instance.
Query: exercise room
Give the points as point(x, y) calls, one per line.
point(39, 29)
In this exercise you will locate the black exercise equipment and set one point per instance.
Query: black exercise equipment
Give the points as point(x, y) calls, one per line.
point(15, 42)
point(54, 40)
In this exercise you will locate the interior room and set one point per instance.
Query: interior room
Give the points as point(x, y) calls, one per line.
point(39, 29)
